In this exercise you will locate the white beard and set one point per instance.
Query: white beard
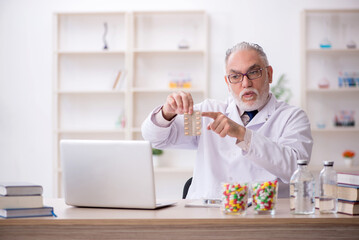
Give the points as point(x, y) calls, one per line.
point(258, 103)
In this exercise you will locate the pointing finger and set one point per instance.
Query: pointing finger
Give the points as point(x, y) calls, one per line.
point(212, 115)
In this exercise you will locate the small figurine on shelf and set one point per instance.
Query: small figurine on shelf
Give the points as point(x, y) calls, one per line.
point(105, 46)
point(348, 156)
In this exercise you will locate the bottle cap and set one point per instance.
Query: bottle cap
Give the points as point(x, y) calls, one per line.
point(302, 162)
point(328, 163)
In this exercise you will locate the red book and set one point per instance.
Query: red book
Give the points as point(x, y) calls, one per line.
point(348, 207)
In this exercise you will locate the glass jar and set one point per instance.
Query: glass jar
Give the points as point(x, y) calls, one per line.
point(234, 198)
point(264, 197)
point(328, 200)
point(302, 187)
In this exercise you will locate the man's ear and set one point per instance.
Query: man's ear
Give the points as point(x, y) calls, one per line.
point(226, 80)
point(270, 74)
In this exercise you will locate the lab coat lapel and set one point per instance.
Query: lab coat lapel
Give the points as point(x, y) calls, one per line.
point(263, 115)
point(233, 113)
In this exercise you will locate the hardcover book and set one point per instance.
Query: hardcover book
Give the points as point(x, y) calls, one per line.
point(27, 212)
point(19, 189)
point(348, 178)
point(348, 192)
point(348, 207)
point(344, 206)
point(21, 201)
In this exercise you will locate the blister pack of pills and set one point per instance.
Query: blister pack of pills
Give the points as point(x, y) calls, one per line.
point(192, 123)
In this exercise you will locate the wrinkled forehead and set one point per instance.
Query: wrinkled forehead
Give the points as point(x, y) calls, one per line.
point(244, 60)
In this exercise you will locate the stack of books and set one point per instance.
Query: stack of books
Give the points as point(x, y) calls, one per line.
point(348, 193)
point(22, 200)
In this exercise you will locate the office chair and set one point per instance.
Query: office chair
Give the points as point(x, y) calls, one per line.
point(186, 187)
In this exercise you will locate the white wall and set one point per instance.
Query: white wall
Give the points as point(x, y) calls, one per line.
point(26, 63)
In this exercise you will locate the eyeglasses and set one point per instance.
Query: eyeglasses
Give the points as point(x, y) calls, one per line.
point(251, 75)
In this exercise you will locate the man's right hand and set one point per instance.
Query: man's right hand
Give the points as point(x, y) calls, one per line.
point(177, 103)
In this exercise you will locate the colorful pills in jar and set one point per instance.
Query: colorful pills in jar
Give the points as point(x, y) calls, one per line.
point(264, 196)
point(234, 198)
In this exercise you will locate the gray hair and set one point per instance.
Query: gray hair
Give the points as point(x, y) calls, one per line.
point(247, 46)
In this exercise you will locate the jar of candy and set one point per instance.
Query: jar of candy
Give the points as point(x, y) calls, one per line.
point(234, 198)
point(264, 196)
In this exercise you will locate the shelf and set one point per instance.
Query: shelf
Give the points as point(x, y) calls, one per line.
point(158, 170)
point(169, 51)
point(95, 52)
point(89, 131)
point(318, 64)
point(332, 50)
point(166, 90)
point(172, 170)
point(136, 130)
point(335, 90)
point(169, 12)
point(88, 13)
point(330, 11)
point(85, 104)
point(335, 130)
point(339, 168)
point(90, 92)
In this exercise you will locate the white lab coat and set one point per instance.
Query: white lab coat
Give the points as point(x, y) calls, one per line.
point(280, 135)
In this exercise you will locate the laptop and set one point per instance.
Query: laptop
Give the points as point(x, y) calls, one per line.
point(109, 173)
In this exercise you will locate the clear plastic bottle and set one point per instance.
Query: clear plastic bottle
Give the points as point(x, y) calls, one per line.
point(302, 187)
point(328, 200)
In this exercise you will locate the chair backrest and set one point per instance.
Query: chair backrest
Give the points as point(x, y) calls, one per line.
point(186, 187)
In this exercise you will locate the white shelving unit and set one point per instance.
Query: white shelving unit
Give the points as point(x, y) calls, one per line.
point(142, 44)
point(321, 105)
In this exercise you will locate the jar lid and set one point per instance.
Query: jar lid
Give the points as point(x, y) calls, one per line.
point(328, 163)
point(302, 162)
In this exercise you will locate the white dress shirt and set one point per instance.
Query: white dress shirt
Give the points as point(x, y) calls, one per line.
point(278, 135)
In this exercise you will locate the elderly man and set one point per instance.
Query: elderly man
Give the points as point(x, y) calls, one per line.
point(250, 137)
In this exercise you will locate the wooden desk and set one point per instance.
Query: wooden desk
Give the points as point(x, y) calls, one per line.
point(177, 222)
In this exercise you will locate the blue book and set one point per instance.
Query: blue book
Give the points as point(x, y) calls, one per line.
point(27, 212)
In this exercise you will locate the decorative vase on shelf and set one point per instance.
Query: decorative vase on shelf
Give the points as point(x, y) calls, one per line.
point(156, 153)
point(105, 46)
point(348, 156)
point(323, 83)
point(325, 43)
point(351, 44)
point(348, 161)
point(348, 33)
point(183, 44)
